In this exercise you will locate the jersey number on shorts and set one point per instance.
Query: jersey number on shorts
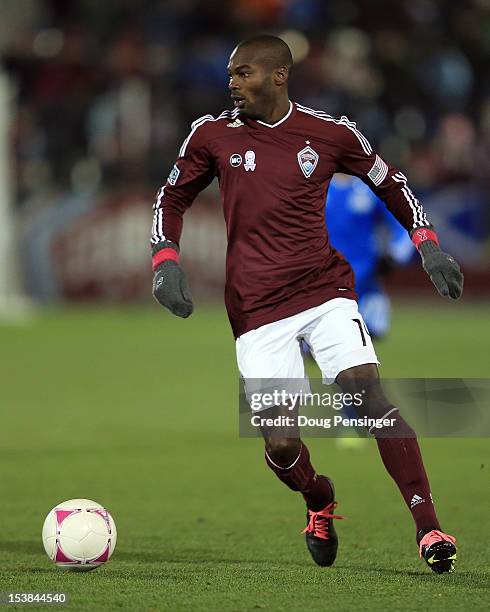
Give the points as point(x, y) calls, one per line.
point(363, 330)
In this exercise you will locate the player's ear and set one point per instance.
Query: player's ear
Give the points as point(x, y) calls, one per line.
point(281, 75)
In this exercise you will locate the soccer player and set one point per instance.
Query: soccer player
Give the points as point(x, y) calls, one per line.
point(274, 159)
point(378, 245)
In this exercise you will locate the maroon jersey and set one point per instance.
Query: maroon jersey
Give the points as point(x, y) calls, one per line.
point(273, 181)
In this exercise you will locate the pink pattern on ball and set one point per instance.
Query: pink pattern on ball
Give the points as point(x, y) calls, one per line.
point(105, 515)
point(60, 555)
point(61, 515)
point(104, 556)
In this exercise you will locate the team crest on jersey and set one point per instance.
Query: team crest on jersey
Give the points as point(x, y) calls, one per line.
point(235, 124)
point(174, 175)
point(308, 160)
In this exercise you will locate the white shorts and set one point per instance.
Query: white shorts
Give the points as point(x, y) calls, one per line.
point(335, 332)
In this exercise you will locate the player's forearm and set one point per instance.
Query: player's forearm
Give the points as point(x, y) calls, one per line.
point(401, 201)
point(170, 287)
point(168, 212)
point(166, 227)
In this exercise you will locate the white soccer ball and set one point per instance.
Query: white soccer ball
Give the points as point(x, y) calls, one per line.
point(79, 534)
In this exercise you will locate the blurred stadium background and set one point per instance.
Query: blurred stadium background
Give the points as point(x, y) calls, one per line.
point(101, 94)
point(117, 400)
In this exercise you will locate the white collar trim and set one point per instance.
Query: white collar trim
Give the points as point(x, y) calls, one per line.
point(273, 125)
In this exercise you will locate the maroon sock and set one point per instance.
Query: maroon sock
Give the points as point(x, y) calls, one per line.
point(403, 460)
point(300, 476)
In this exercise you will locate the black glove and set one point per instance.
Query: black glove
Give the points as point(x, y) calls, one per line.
point(386, 265)
point(443, 270)
point(170, 287)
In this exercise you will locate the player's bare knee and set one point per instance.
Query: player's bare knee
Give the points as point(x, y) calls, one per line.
point(363, 381)
point(366, 371)
point(283, 451)
point(360, 379)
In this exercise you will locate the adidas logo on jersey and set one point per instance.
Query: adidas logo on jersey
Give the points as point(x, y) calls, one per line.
point(235, 124)
point(416, 500)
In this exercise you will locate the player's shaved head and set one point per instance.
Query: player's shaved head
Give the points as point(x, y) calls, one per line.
point(259, 70)
point(267, 50)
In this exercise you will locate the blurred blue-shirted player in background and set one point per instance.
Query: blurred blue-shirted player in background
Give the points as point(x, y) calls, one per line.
point(372, 241)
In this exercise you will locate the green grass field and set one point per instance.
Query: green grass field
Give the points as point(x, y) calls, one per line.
point(138, 410)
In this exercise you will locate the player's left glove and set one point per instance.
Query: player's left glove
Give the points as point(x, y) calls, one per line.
point(170, 287)
point(443, 270)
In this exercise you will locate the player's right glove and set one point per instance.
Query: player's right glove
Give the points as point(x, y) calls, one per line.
point(170, 287)
point(443, 270)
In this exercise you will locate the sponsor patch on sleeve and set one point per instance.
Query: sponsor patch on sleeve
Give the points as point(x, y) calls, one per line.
point(174, 175)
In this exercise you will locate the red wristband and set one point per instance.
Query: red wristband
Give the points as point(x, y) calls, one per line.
point(423, 234)
point(163, 255)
